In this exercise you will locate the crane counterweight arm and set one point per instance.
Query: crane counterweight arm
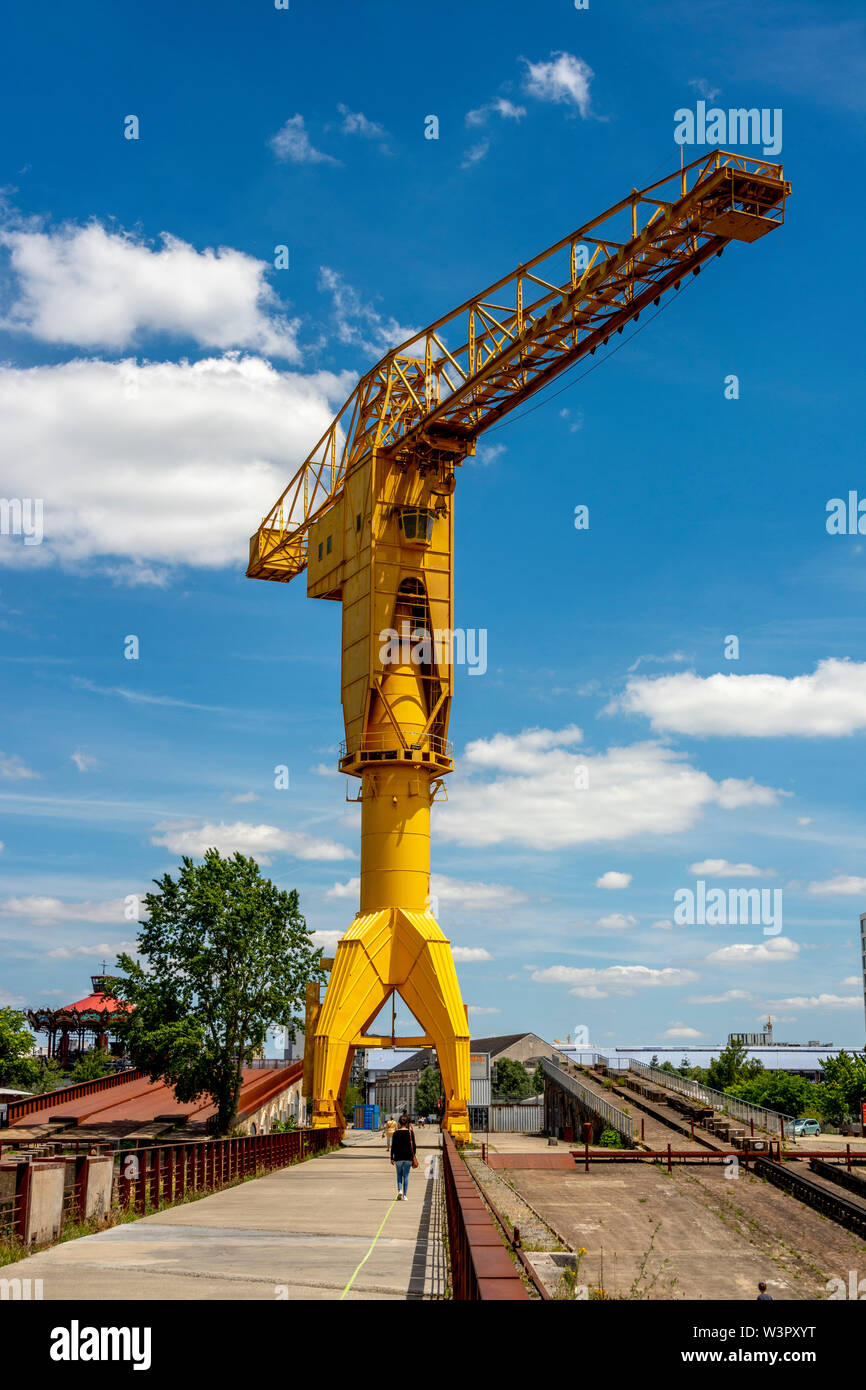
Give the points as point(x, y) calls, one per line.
point(441, 389)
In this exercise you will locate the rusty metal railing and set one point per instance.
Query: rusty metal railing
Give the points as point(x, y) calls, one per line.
point(480, 1265)
point(150, 1177)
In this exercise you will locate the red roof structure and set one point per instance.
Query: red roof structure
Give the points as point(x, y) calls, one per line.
point(125, 1101)
point(91, 1015)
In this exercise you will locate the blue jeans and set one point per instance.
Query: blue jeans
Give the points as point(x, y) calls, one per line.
point(404, 1168)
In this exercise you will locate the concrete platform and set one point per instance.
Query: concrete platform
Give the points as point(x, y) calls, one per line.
point(298, 1234)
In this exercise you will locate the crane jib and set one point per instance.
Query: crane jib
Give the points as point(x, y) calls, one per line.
point(428, 398)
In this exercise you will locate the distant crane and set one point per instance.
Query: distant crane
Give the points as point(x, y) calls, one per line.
point(370, 516)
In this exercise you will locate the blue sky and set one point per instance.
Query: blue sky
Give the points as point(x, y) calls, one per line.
point(160, 380)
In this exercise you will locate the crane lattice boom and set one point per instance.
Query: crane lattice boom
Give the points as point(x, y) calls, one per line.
point(440, 390)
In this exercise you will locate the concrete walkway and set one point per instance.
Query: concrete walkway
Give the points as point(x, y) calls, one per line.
point(300, 1233)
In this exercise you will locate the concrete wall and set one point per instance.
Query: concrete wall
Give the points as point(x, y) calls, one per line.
point(528, 1050)
point(46, 1203)
point(100, 1173)
point(288, 1103)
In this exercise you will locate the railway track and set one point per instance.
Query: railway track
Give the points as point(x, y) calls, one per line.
point(832, 1172)
point(816, 1192)
point(818, 1187)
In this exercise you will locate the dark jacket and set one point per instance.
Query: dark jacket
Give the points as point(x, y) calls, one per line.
point(403, 1144)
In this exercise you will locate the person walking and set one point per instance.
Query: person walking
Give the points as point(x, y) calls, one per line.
point(403, 1156)
point(390, 1128)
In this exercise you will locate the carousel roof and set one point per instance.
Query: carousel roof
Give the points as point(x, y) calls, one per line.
point(94, 1008)
point(94, 1003)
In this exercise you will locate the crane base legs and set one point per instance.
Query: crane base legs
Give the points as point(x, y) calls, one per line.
point(382, 952)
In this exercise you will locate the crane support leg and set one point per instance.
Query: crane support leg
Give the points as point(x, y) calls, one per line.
point(384, 951)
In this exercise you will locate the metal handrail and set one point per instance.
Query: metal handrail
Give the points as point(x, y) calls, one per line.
point(385, 740)
point(611, 1114)
point(480, 1267)
point(719, 1100)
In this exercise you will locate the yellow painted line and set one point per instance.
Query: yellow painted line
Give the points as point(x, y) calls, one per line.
point(369, 1252)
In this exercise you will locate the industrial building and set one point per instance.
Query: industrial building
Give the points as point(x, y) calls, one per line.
point(393, 1088)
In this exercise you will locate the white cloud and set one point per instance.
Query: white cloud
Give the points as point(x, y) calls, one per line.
point(617, 921)
point(83, 761)
point(259, 841)
point(325, 770)
point(500, 106)
point(479, 897)
point(702, 86)
point(326, 941)
point(292, 143)
point(44, 910)
point(520, 752)
point(486, 454)
point(651, 659)
point(467, 954)
point(95, 288)
point(819, 1001)
point(478, 1009)
point(775, 950)
point(681, 1030)
point(148, 462)
point(106, 949)
point(142, 697)
point(356, 123)
point(475, 154)
point(591, 983)
point(804, 820)
point(723, 868)
point(830, 702)
point(665, 924)
point(842, 886)
point(244, 797)
point(730, 996)
point(357, 323)
point(852, 980)
point(12, 767)
point(646, 789)
point(350, 889)
point(613, 880)
point(563, 78)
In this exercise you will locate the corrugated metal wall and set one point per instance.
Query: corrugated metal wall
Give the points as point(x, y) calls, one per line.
point(516, 1119)
point(479, 1090)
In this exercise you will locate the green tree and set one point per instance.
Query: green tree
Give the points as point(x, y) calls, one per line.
point(776, 1090)
point(18, 1070)
point(843, 1087)
point(91, 1065)
point(428, 1091)
point(50, 1077)
point(352, 1098)
point(511, 1080)
point(538, 1080)
point(230, 956)
point(732, 1066)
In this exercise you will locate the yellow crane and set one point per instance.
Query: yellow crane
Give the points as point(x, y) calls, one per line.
point(370, 517)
